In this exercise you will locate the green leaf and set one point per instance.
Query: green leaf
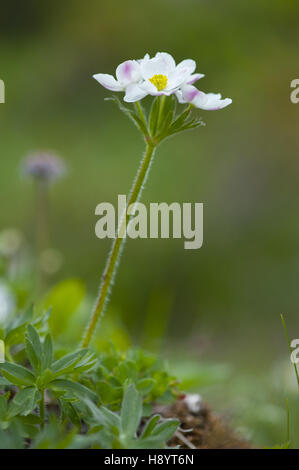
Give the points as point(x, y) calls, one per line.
point(113, 418)
point(126, 370)
point(23, 403)
point(17, 374)
point(131, 411)
point(4, 382)
point(16, 329)
point(30, 419)
point(70, 412)
point(194, 123)
point(46, 378)
point(15, 335)
point(103, 416)
point(35, 341)
point(144, 386)
point(47, 352)
point(150, 442)
point(28, 430)
point(150, 425)
point(11, 439)
point(107, 393)
point(180, 120)
point(34, 359)
point(153, 117)
point(165, 430)
point(167, 115)
point(76, 389)
point(67, 363)
point(88, 362)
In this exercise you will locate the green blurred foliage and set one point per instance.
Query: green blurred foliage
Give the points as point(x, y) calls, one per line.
point(63, 300)
point(244, 166)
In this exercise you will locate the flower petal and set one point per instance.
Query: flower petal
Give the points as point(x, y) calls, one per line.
point(179, 96)
point(128, 72)
point(177, 78)
point(190, 94)
point(150, 88)
point(211, 101)
point(134, 93)
point(189, 64)
point(193, 78)
point(108, 81)
point(145, 58)
point(167, 59)
point(152, 67)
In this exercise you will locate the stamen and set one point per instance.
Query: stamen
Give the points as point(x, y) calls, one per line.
point(160, 81)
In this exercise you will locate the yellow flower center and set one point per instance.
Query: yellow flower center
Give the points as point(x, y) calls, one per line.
point(160, 81)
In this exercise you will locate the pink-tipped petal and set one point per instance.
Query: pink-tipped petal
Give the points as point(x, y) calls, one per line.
point(193, 78)
point(190, 94)
point(128, 72)
point(108, 81)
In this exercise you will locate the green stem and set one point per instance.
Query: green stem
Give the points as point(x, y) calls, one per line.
point(42, 409)
point(162, 103)
point(189, 107)
point(112, 262)
point(141, 113)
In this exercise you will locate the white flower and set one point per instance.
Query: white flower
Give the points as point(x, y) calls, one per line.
point(127, 75)
point(207, 101)
point(161, 76)
point(157, 76)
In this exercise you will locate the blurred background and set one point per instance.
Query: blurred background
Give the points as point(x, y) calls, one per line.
point(213, 313)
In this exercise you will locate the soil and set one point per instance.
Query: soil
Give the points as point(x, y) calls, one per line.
point(205, 430)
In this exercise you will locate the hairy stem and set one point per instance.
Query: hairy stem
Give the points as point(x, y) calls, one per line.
point(113, 258)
